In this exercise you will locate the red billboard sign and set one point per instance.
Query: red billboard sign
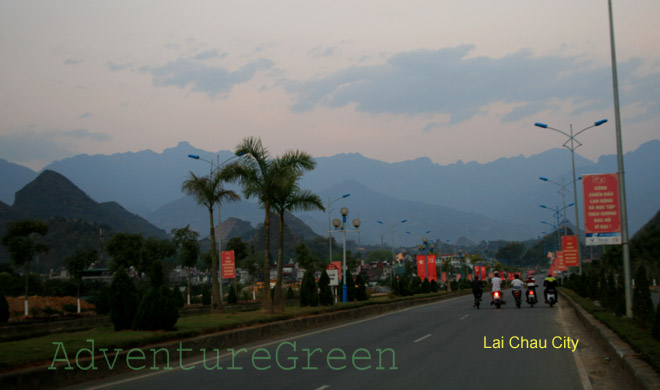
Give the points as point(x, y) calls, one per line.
point(227, 265)
point(602, 216)
point(569, 246)
point(559, 262)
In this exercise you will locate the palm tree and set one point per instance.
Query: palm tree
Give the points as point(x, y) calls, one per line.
point(207, 191)
point(288, 198)
point(260, 176)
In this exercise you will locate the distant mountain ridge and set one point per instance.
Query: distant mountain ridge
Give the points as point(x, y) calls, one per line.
point(506, 190)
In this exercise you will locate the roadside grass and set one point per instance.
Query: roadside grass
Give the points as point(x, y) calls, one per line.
point(38, 350)
point(639, 339)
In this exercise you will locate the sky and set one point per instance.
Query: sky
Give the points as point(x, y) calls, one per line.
point(390, 80)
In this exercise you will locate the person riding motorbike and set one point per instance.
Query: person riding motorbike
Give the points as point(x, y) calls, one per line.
point(550, 284)
point(517, 285)
point(496, 282)
point(531, 285)
point(477, 290)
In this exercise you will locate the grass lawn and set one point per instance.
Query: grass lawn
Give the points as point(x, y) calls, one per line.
point(37, 350)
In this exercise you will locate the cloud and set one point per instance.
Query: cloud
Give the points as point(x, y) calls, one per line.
point(448, 81)
point(26, 144)
point(211, 80)
point(322, 51)
point(118, 67)
point(209, 54)
point(85, 115)
point(71, 61)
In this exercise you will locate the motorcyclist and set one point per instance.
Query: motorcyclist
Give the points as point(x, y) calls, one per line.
point(531, 285)
point(496, 282)
point(477, 290)
point(517, 285)
point(550, 284)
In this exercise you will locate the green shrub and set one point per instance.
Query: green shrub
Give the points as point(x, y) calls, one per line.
point(309, 295)
point(206, 294)
point(416, 285)
point(231, 296)
point(426, 286)
point(289, 293)
point(102, 300)
point(49, 311)
point(179, 299)
point(157, 310)
point(4, 309)
point(434, 286)
point(123, 301)
point(350, 286)
point(70, 308)
point(642, 304)
point(361, 290)
point(325, 291)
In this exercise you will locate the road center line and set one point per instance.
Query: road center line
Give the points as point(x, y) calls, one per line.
point(464, 317)
point(323, 387)
point(423, 338)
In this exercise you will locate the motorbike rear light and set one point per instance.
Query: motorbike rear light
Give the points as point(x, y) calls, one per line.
point(497, 295)
point(531, 292)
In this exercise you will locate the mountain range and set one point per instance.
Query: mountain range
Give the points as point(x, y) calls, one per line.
point(496, 200)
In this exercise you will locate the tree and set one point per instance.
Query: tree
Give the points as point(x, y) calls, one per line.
point(309, 295)
point(288, 197)
point(4, 309)
point(512, 251)
point(325, 291)
point(260, 177)
point(78, 263)
point(158, 308)
point(350, 286)
point(20, 240)
point(123, 300)
point(304, 258)
point(361, 290)
point(155, 249)
point(126, 250)
point(231, 296)
point(186, 243)
point(208, 191)
point(380, 255)
point(643, 313)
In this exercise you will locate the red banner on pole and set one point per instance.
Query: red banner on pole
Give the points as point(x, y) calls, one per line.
point(560, 265)
point(602, 215)
point(444, 277)
point(569, 246)
point(422, 266)
point(228, 266)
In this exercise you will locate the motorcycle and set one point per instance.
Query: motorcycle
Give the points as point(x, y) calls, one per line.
point(497, 299)
point(551, 295)
point(517, 295)
point(531, 297)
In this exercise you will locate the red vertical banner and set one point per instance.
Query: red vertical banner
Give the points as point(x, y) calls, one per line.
point(228, 265)
point(483, 272)
point(458, 277)
point(421, 267)
point(569, 246)
point(444, 277)
point(477, 270)
point(433, 272)
point(491, 275)
point(470, 277)
point(510, 276)
point(602, 214)
point(338, 266)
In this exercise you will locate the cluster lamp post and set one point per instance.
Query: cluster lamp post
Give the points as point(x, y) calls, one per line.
point(341, 225)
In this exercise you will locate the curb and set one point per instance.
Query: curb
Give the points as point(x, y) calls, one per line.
point(638, 373)
point(42, 377)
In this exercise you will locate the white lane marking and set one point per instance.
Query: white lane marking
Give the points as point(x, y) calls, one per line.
point(423, 338)
point(582, 370)
point(323, 387)
point(464, 317)
point(138, 377)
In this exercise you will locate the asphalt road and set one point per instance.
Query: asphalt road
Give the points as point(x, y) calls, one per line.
point(447, 345)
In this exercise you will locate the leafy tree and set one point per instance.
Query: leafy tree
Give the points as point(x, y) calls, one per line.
point(309, 295)
point(380, 255)
point(158, 308)
point(288, 197)
point(304, 258)
point(102, 300)
point(231, 296)
point(325, 291)
point(434, 286)
point(208, 191)
point(426, 286)
point(20, 240)
point(78, 263)
point(155, 249)
point(656, 324)
point(642, 304)
point(186, 243)
point(206, 295)
point(416, 285)
point(4, 309)
point(260, 177)
point(126, 250)
point(361, 289)
point(290, 294)
point(512, 251)
point(123, 300)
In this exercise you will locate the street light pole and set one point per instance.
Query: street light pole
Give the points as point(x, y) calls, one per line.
point(342, 225)
point(330, 231)
point(574, 144)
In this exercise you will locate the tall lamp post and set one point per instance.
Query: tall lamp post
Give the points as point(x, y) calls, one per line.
point(392, 231)
point(341, 225)
point(555, 229)
point(572, 144)
point(216, 168)
point(330, 231)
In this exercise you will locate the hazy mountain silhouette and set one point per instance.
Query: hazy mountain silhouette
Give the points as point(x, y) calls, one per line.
point(13, 177)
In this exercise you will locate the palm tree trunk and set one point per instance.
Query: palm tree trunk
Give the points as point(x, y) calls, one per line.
point(279, 302)
point(267, 305)
point(216, 303)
